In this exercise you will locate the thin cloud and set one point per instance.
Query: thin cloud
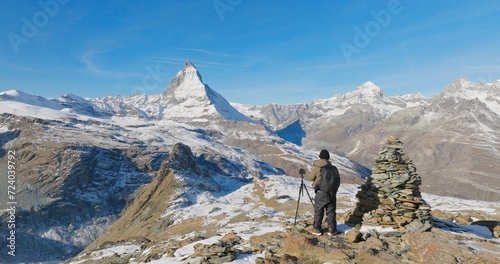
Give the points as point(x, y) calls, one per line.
point(88, 59)
point(198, 63)
point(207, 52)
point(89, 63)
point(209, 64)
point(321, 67)
point(166, 60)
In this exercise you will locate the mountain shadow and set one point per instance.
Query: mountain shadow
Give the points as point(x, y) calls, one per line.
point(292, 133)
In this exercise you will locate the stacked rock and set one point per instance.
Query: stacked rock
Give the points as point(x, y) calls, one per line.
point(391, 197)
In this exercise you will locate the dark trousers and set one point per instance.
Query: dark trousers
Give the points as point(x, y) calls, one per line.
point(323, 202)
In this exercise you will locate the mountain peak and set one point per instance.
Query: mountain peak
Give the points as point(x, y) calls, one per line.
point(188, 97)
point(190, 68)
point(188, 64)
point(369, 83)
point(459, 84)
point(368, 90)
point(369, 86)
point(187, 77)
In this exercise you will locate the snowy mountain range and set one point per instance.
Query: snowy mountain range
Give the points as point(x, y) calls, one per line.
point(87, 159)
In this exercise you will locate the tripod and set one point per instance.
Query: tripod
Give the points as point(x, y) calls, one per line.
point(301, 193)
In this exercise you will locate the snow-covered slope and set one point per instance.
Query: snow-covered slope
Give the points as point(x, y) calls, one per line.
point(462, 89)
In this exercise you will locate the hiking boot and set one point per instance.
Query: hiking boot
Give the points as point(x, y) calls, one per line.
point(332, 232)
point(316, 232)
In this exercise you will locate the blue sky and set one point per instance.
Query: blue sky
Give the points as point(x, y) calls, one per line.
point(253, 52)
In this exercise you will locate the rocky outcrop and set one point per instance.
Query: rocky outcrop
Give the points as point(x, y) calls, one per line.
point(223, 251)
point(181, 158)
point(390, 197)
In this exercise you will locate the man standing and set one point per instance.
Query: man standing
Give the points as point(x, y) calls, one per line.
point(326, 192)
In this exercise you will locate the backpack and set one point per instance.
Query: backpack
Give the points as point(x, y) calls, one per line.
point(329, 181)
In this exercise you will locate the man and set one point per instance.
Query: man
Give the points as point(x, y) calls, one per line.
point(324, 201)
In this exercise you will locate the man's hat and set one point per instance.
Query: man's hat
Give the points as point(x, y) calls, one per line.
point(324, 154)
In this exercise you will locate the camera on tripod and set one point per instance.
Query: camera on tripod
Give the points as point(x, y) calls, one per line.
point(301, 193)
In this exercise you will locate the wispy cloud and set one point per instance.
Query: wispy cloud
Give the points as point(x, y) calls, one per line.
point(168, 60)
point(88, 58)
point(208, 64)
point(197, 63)
point(208, 52)
point(321, 67)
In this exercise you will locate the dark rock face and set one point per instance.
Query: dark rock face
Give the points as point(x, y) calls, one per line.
point(390, 197)
point(181, 159)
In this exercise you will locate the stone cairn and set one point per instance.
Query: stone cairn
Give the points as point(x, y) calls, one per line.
point(390, 197)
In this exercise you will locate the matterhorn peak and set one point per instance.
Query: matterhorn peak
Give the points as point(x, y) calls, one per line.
point(188, 75)
point(188, 97)
point(190, 68)
point(186, 84)
point(188, 64)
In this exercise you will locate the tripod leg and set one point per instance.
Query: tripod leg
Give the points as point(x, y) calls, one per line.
point(310, 198)
point(297, 210)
